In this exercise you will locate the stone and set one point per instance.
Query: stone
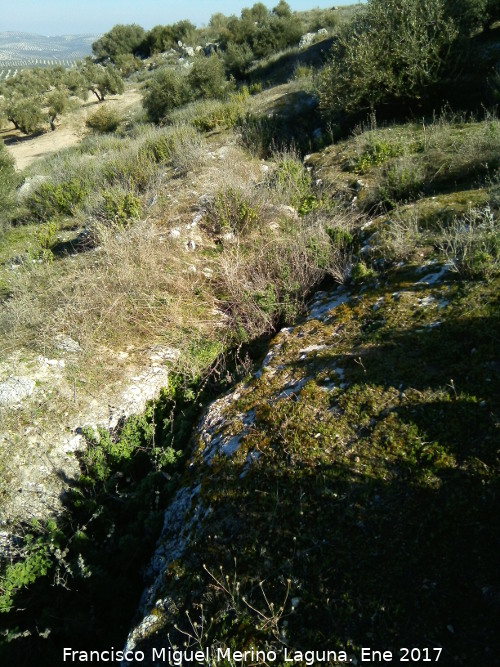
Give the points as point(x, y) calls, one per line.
point(306, 40)
point(66, 344)
point(210, 48)
point(30, 184)
point(15, 389)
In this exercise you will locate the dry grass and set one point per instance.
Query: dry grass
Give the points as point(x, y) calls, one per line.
point(264, 280)
point(400, 235)
point(142, 286)
point(132, 289)
point(471, 244)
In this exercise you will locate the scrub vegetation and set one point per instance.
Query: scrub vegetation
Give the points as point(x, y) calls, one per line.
point(342, 484)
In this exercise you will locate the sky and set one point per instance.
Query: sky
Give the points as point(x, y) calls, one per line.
point(73, 17)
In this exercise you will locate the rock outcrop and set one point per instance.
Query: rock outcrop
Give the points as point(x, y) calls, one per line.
point(38, 472)
point(311, 475)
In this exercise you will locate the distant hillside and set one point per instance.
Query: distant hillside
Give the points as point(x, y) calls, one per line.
point(21, 49)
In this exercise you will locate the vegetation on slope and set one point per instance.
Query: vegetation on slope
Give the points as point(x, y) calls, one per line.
point(364, 489)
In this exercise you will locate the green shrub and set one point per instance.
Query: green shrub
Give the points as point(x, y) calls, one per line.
point(45, 237)
point(393, 50)
point(53, 199)
point(255, 88)
point(34, 563)
point(339, 236)
point(376, 152)
point(267, 300)
point(401, 235)
point(291, 183)
point(263, 135)
point(132, 170)
point(161, 147)
point(166, 90)
point(472, 244)
point(258, 134)
point(127, 64)
point(231, 212)
point(121, 208)
point(8, 181)
point(103, 120)
point(207, 78)
point(308, 203)
point(104, 453)
point(401, 181)
point(179, 146)
point(265, 279)
point(219, 114)
point(237, 59)
point(325, 18)
point(302, 72)
point(360, 273)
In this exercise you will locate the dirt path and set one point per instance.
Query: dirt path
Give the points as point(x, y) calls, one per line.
point(70, 131)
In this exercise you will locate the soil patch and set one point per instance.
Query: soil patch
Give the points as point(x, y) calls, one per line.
point(70, 131)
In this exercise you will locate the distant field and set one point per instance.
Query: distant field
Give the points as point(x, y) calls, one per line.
point(11, 68)
point(20, 51)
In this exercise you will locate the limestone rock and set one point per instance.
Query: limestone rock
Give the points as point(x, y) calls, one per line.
point(15, 389)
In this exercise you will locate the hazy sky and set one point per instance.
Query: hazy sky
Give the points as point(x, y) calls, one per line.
point(59, 17)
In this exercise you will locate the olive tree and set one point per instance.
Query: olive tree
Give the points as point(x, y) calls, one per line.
point(25, 113)
point(38, 96)
point(392, 51)
point(57, 101)
point(119, 40)
point(101, 80)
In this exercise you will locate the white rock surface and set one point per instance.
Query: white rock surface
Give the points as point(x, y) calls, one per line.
point(15, 389)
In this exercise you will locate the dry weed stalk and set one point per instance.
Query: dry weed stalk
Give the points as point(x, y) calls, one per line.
point(267, 620)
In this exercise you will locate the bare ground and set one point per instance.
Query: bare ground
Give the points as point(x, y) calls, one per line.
point(70, 131)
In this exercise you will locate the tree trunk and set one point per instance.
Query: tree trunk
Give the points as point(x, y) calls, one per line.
point(100, 98)
point(14, 123)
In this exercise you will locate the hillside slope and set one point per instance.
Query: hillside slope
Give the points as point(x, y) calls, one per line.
point(321, 467)
point(346, 487)
point(345, 495)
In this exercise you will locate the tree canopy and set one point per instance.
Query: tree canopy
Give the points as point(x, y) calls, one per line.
point(38, 96)
point(258, 29)
point(101, 80)
point(394, 50)
point(119, 40)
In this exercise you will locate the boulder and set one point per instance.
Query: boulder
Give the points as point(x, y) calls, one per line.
point(306, 40)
